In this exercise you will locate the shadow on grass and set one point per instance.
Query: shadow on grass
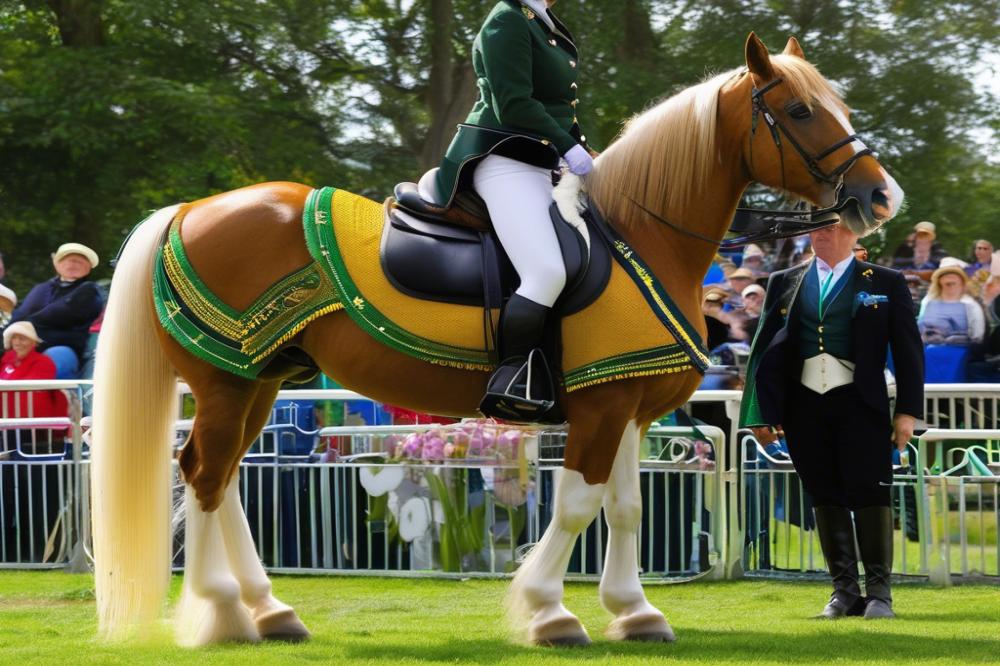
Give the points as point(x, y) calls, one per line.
point(709, 646)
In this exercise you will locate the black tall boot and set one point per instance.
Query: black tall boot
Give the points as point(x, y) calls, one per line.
point(873, 525)
point(520, 389)
point(836, 538)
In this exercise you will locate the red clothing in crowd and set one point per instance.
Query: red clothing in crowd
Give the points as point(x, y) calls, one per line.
point(33, 366)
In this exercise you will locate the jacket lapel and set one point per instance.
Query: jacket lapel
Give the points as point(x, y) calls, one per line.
point(793, 283)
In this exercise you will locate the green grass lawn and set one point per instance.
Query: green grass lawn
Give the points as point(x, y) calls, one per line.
point(48, 618)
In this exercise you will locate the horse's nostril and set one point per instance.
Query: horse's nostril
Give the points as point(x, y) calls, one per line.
point(881, 206)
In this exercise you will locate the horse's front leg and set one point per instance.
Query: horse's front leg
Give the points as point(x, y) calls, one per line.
point(597, 418)
point(536, 592)
point(620, 590)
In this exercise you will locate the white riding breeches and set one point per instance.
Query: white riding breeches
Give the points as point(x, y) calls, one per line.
point(518, 197)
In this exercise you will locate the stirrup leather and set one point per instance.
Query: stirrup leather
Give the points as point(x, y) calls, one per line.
point(520, 391)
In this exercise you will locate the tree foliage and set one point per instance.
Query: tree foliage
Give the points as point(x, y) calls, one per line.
point(109, 108)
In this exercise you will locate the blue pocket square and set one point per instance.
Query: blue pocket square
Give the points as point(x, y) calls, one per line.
point(864, 299)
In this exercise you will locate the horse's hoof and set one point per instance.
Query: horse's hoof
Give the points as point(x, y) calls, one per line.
point(565, 631)
point(650, 627)
point(282, 625)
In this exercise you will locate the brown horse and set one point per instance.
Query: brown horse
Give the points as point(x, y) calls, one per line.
point(686, 161)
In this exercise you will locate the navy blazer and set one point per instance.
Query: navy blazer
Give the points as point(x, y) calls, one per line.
point(775, 367)
point(61, 313)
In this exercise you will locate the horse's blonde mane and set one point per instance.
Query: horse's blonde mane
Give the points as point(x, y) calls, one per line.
point(667, 153)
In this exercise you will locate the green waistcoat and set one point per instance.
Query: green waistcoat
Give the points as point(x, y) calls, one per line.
point(526, 109)
point(833, 333)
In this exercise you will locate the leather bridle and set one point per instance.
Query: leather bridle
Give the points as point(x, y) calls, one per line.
point(760, 224)
point(777, 128)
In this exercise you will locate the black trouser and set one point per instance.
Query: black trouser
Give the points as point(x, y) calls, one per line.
point(840, 446)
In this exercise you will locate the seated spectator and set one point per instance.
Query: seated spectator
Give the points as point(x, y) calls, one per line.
point(920, 251)
point(739, 280)
point(860, 252)
point(982, 259)
point(21, 360)
point(62, 309)
point(8, 301)
point(753, 260)
point(948, 315)
point(753, 304)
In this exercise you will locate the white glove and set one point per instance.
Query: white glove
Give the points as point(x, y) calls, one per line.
point(579, 160)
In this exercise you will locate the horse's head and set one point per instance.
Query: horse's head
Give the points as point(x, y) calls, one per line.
point(800, 139)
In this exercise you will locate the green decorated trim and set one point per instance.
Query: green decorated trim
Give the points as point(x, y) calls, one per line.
point(652, 291)
point(321, 239)
point(655, 361)
point(241, 343)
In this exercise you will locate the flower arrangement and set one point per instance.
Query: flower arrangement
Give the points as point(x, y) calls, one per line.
point(436, 469)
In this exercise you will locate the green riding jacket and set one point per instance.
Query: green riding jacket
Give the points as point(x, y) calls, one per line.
point(526, 109)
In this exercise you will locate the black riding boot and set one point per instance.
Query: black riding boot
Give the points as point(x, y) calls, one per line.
point(873, 525)
point(836, 537)
point(520, 389)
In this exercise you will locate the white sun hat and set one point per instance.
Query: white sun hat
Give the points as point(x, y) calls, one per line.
point(76, 248)
point(25, 328)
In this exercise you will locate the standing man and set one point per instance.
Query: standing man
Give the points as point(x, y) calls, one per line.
point(816, 368)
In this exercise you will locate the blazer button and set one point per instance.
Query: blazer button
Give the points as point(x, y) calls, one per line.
point(572, 86)
point(575, 121)
point(572, 63)
point(574, 103)
point(552, 42)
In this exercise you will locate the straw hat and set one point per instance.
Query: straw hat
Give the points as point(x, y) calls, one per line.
point(25, 328)
point(925, 227)
point(7, 294)
point(952, 261)
point(948, 270)
point(76, 248)
point(753, 289)
point(752, 250)
point(744, 273)
point(715, 295)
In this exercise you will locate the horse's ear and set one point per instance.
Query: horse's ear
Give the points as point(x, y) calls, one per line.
point(758, 60)
point(794, 48)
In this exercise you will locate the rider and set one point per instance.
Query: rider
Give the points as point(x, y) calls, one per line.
point(523, 121)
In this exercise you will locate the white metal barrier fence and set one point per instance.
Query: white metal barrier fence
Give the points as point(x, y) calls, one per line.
point(715, 504)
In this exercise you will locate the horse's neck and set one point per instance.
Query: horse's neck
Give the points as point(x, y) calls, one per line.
point(678, 260)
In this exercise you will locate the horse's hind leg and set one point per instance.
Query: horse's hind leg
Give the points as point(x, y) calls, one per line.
point(274, 620)
point(211, 610)
point(620, 589)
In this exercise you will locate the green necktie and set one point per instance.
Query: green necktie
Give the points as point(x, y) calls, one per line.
point(823, 291)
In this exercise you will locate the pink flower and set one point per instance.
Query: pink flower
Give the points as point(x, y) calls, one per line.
point(433, 448)
point(411, 446)
point(507, 444)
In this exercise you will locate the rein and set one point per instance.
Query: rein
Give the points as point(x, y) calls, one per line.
point(761, 224)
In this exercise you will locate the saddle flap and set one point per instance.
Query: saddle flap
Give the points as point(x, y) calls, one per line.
point(433, 261)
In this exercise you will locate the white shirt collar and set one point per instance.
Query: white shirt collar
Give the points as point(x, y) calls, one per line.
point(539, 7)
point(823, 268)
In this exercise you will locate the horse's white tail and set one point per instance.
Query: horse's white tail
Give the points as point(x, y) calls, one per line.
point(134, 410)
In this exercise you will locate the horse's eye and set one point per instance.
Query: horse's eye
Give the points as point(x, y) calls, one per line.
point(798, 110)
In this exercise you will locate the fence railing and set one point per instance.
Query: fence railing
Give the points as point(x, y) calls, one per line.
point(715, 503)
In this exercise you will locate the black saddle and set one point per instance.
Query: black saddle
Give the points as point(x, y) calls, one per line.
point(426, 254)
